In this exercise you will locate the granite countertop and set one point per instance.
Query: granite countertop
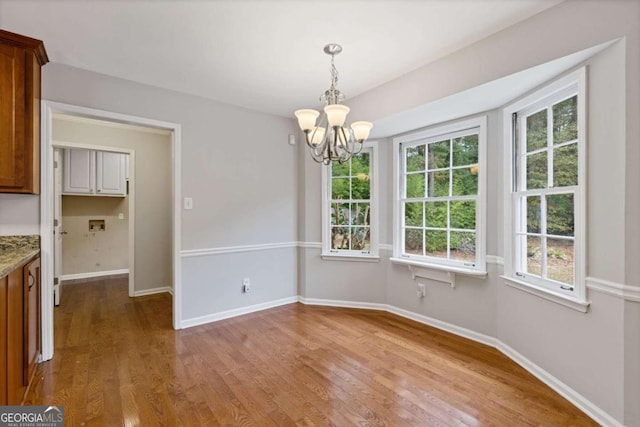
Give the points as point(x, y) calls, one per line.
point(14, 250)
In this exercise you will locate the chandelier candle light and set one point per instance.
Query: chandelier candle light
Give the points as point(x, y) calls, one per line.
point(330, 140)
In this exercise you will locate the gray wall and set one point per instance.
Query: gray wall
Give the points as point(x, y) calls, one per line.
point(237, 167)
point(596, 354)
point(85, 251)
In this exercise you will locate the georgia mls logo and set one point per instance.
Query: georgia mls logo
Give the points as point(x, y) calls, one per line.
point(31, 416)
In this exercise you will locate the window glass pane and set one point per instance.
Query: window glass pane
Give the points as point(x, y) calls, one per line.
point(438, 184)
point(534, 255)
point(465, 182)
point(360, 213)
point(360, 165)
point(340, 188)
point(565, 120)
point(565, 165)
point(413, 214)
point(360, 187)
point(537, 170)
point(338, 169)
point(560, 260)
point(360, 238)
point(415, 158)
point(435, 242)
point(537, 131)
point(533, 214)
point(463, 246)
point(465, 150)
point(463, 215)
point(560, 218)
point(413, 241)
point(340, 238)
point(339, 213)
point(439, 155)
point(436, 214)
point(415, 185)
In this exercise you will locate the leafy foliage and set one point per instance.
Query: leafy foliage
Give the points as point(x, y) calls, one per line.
point(450, 168)
point(350, 219)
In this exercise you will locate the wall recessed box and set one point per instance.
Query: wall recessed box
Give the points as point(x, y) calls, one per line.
point(96, 225)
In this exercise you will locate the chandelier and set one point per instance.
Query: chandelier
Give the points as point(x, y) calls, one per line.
point(331, 140)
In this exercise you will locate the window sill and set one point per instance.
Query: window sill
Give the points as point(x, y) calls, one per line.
point(547, 294)
point(345, 257)
point(437, 272)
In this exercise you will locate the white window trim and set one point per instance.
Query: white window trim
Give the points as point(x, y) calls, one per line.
point(343, 255)
point(480, 270)
point(577, 300)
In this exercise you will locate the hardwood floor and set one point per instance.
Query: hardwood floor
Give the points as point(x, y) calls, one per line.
point(118, 362)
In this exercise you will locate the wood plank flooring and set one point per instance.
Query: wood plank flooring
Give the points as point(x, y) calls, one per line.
point(118, 362)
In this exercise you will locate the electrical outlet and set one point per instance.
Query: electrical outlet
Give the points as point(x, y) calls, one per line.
point(421, 291)
point(246, 285)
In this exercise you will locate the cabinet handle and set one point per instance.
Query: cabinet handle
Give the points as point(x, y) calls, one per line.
point(32, 280)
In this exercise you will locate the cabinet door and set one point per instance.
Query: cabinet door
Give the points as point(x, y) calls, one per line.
point(31, 318)
point(79, 171)
point(15, 337)
point(13, 154)
point(111, 173)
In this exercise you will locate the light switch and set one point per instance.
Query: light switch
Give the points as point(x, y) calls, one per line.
point(188, 203)
point(120, 215)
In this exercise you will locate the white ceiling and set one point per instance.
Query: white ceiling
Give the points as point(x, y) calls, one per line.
point(262, 55)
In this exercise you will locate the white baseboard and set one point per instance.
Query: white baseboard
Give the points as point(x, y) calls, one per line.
point(344, 304)
point(93, 274)
point(153, 291)
point(236, 312)
point(581, 402)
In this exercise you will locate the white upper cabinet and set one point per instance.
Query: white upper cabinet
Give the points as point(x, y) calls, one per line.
point(110, 173)
point(97, 173)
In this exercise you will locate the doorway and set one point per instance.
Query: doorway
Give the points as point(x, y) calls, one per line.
point(51, 109)
point(94, 215)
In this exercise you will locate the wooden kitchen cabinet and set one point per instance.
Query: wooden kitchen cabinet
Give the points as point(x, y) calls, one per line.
point(21, 59)
point(31, 316)
point(20, 330)
point(15, 338)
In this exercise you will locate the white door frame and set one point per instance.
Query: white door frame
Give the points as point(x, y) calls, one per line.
point(48, 109)
point(132, 198)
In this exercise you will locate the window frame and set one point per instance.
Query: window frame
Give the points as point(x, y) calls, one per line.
point(417, 138)
point(353, 255)
point(557, 91)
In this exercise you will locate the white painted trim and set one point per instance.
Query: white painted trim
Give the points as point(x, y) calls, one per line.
point(344, 304)
point(548, 294)
point(374, 200)
point(494, 259)
point(153, 291)
point(47, 110)
point(620, 290)
point(187, 323)
point(386, 247)
point(588, 407)
point(584, 404)
point(573, 81)
point(439, 267)
point(92, 274)
point(310, 245)
point(354, 257)
point(188, 253)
